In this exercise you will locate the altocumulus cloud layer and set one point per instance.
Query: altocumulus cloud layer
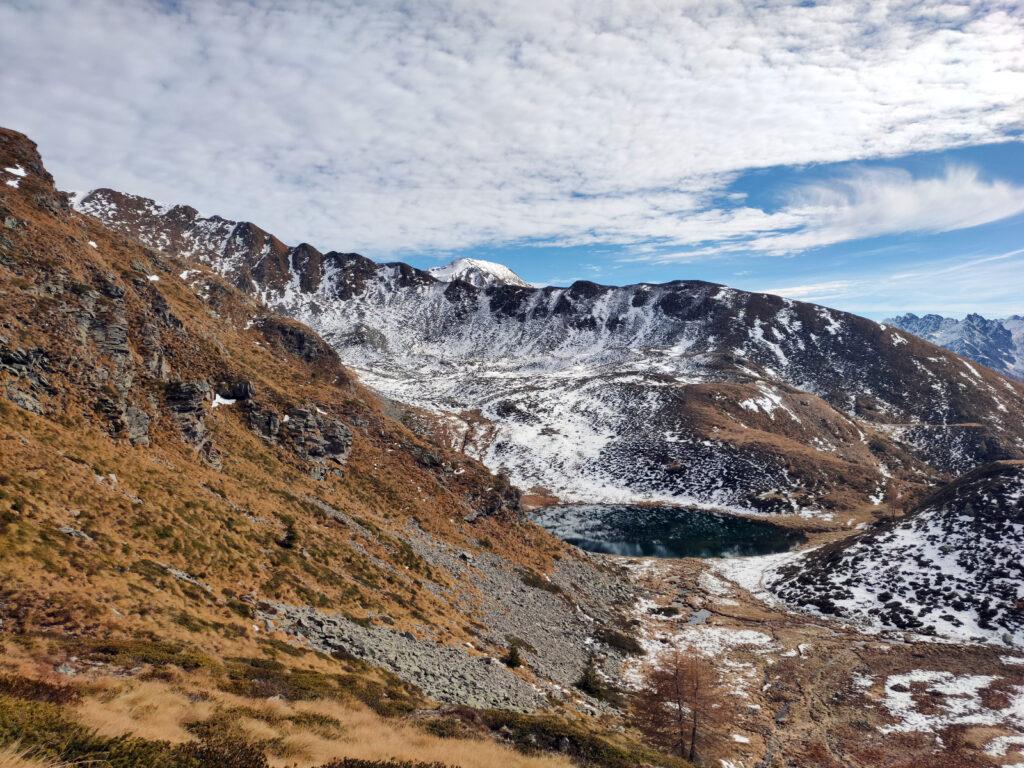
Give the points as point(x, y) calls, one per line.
point(387, 126)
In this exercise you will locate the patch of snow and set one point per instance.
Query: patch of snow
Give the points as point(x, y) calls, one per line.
point(863, 681)
point(972, 369)
point(999, 746)
point(218, 400)
point(952, 700)
point(153, 278)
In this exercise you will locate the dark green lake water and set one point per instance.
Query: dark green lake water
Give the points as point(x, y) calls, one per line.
point(642, 531)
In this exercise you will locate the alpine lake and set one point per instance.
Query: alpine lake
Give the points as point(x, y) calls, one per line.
point(664, 531)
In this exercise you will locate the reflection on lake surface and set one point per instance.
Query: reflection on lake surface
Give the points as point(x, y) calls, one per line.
point(651, 531)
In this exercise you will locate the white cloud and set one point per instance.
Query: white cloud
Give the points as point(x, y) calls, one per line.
point(953, 286)
point(383, 126)
point(815, 292)
point(890, 201)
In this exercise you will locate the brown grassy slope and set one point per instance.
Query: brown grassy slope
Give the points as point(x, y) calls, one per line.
point(167, 505)
point(90, 524)
point(139, 552)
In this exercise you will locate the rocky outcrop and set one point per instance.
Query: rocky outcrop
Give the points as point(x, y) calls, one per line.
point(186, 401)
point(308, 431)
point(27, 371)
point(264, 421)
point(237, 389)
point(296, 339)
point(318, 438)
point(126, 420)
point(502, 499)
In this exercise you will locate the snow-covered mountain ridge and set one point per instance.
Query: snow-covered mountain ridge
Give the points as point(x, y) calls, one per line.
point(684, 391)
point(997, 343)
point(479, 273)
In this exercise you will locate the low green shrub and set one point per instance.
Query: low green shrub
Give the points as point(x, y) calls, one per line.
point(265, 678)
point(133, 652)
point(20, 687)
point(539, 733)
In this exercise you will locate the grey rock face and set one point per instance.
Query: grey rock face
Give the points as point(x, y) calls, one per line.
point(126, 420)
point(318, 438)
point(28, 368)
point(297, 340)
point(264, 422)
point(186, 400)
point(239, 389)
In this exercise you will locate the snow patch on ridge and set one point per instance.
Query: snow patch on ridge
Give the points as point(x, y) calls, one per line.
point(478, 272)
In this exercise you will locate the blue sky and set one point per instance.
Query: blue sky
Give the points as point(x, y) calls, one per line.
point(976, 268)
point(865, 155)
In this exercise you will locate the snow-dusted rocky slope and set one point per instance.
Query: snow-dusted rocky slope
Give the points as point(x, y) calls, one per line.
point(685, 391)
point(954, 567)
point(999, 344)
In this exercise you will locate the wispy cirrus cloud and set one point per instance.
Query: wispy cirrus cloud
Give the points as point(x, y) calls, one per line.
point(886, 201)
point(866, 203)
point(437, 125)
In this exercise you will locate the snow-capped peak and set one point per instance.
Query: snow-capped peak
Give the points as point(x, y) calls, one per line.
point(479, 273)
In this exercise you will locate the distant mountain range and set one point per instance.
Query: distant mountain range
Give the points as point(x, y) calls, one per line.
point(685, 392)
point(998, 343)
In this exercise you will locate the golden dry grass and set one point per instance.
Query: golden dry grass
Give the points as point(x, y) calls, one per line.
point(161, 711)
point(12, 756)
point(369, 737)
point(147, 709)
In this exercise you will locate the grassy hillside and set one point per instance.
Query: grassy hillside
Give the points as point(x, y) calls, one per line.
point(175, 466)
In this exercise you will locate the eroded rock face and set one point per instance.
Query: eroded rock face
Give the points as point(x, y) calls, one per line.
point(316, 437)
point(126, 420)
point(297, 340)
point(263, 421)
point(502, 499)
point(28, 368)
point(186, 401)
point(237, 389)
